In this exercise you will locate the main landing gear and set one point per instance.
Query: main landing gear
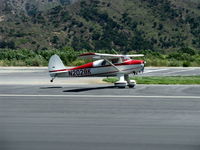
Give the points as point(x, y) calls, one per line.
point(125, 81)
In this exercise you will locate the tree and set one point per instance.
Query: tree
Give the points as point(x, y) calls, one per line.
point(160, 27)
point(55, 39)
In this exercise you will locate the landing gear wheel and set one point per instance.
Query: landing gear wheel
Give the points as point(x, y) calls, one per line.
point(132, 84)
point(120, 84)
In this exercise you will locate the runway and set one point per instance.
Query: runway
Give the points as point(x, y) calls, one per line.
point(40, 76)
point(171, 71)
point(93, 116)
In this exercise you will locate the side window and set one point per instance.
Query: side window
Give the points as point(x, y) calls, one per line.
point(114, 61)
point(103, 63)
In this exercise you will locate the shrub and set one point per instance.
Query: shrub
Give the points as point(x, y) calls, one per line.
point(187, 50)
point(186, 64)
point(36, 61)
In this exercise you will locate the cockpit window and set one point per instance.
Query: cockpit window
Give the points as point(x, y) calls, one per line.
point(114, 61)
point(103, 63)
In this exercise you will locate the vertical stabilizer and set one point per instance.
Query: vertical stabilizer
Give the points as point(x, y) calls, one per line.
point(55, 64)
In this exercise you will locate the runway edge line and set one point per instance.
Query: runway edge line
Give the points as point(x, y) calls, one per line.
point(103, 96)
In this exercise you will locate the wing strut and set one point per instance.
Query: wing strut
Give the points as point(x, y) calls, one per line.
point(112, 64)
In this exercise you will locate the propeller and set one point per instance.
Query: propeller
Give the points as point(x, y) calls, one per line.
point(143, 66)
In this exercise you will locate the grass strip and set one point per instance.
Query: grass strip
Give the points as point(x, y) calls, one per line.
point(161, 79)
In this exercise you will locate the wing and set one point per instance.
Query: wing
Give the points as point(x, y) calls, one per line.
point(136, 55)
point(106, 56)
point(99, 56)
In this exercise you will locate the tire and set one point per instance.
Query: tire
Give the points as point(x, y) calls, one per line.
point(131, 86)
point(120, 85)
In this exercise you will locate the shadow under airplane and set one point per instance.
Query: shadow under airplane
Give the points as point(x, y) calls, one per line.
point(89, 89)
point(52, 87)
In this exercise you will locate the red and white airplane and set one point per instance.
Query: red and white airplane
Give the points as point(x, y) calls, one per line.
point(105, 65)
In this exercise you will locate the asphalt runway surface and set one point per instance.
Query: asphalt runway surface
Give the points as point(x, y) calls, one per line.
point(39, 75)
point(95, 116)
point(171, 71)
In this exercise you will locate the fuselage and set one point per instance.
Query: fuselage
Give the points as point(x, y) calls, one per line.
point(101, 68)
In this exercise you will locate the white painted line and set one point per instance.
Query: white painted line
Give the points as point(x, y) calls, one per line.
point(157, 70)
point(103, 96)
point(179, 71)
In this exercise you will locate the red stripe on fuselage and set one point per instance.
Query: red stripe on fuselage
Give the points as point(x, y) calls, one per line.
point(59, 70)
point(88, 65)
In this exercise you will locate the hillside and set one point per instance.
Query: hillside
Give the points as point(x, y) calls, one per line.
point(125, 25)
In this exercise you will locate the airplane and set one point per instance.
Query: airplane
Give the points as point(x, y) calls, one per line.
point(104, 65)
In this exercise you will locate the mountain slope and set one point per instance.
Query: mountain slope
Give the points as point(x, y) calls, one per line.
point(16, 6)
point(161, 25)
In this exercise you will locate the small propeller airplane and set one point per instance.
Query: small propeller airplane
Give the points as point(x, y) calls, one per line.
point(104, 65)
